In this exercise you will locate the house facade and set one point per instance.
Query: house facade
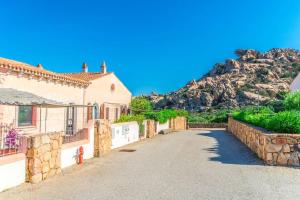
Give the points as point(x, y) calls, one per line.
point(39, 83)
point(79, 98)
point(106, 93)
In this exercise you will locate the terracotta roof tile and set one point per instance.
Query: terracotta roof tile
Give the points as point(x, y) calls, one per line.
point(38, 71)
point(86, 76)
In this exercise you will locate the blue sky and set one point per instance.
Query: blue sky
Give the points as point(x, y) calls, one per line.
point(153, 45)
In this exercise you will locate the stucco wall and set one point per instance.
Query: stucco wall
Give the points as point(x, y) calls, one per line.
point(124, 133)
point(12, 171)
point(48, 119)
point(47, 89)
point(160, 127)
point(100, 92)
point(69, 153)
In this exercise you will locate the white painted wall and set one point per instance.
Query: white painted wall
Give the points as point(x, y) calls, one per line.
point(160, 127)
point(124, 133)
point(69, 151)
point(12, 173)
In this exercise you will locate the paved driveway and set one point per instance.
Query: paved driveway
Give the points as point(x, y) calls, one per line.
point(186, 165)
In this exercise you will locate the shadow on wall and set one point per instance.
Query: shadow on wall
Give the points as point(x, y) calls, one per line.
point(230, 150)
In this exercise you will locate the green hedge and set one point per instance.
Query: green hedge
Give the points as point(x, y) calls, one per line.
point(130, 118)
point(164, 115)
point(161, 116)
point(292, 101)
point(281, 122)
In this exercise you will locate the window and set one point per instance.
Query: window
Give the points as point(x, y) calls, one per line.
point(96, 111)
point(112, 87)
point(26, 116)
point(117, 114)
point(107, 113)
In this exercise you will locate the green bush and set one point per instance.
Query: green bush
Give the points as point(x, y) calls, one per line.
point(130, 118)
point(182, 113)
point(163, 116)
point(140, 105)
point(282, 122)
point(292, 101)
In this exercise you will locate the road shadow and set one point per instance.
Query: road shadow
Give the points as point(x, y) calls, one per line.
point(230, 150)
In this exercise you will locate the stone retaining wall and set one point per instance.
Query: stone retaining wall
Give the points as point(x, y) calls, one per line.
point(208, 125)
point(103, 140)
point(178, 123)
point(274, 149)
point(43, 156)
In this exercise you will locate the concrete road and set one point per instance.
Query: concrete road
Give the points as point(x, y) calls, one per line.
point(186, 165)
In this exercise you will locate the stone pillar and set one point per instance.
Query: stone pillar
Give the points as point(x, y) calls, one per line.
point(150, 127)
point(178, 123)
point(102, 141)
point(43, 156)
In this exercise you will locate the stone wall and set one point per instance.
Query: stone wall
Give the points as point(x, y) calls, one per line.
point(150, 128)
point(103, 140)
point(178, 123)
point(208, 125)
point(274, 149)
point(43, 156)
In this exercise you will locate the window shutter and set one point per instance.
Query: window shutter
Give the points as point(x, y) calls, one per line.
point(90, 113)
point(34, 115)
point(107, 113)
point(102, 111)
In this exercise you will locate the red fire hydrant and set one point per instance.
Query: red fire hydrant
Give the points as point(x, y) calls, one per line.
point(80, 155)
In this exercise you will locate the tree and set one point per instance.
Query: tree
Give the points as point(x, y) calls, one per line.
point(140, 105)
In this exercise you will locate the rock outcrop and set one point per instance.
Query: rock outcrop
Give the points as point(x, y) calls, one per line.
point(252, 78)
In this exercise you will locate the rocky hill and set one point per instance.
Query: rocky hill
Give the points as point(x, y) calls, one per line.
point(253, 78)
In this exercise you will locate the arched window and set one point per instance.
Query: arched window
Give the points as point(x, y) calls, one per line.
point(96, 111)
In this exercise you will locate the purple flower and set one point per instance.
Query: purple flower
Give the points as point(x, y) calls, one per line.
point(11, 139)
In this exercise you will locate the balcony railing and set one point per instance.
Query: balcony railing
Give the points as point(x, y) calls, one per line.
point(76, 136)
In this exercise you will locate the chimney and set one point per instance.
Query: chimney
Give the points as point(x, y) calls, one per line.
point(84, 68)
point(103, 67)
point(39, 66)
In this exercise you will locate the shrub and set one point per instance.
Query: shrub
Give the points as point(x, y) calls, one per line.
point(292, 101)
point(130, 118)
point(182, 113)
point(163, 116)
point(282, 122)
point(140, 105)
